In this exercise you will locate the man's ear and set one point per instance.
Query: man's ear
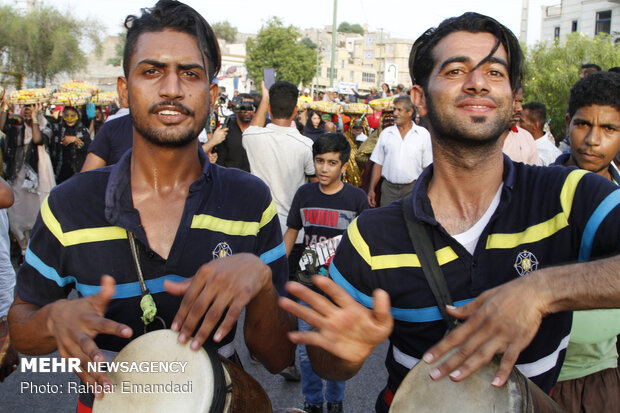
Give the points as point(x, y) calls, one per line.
point(418, 98)
point(121, 89)
point(213, 93)
point(344, 166)
point(568, 119)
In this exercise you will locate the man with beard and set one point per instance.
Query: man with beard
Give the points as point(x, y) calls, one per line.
point(500, 231)
point(165, 203)
point(231, 152)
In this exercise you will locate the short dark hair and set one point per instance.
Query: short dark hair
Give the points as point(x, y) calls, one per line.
point(332, 142)
point(600, 88)
point(245, 96)
point(614, 69)
point(537, 112)
point(591, 66)
point(173, 15)
point(405, 100)
point(421, 60)
point(283, 99)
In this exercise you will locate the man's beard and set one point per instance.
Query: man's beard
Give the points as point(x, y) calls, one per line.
point(167, 137)
point(453, 130)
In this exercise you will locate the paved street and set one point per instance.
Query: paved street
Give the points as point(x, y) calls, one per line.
point(361, 391)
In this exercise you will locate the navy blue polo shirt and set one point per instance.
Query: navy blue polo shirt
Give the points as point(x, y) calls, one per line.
point(113, 139)
point(80, 235)
point(541, 221)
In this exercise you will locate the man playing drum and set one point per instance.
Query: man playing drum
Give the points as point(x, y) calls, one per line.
point(500, 230)
point(182, 211)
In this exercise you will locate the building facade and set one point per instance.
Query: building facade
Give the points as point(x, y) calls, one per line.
point(589, 17)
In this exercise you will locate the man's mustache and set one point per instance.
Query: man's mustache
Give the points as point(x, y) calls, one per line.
point(167, 104)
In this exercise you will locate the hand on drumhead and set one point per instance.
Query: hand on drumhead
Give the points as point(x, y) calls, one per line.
point(222, 286)
point(498, 322)
point(346, 328)
point(75, 323)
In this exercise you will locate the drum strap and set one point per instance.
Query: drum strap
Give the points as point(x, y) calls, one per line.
point(418, 233)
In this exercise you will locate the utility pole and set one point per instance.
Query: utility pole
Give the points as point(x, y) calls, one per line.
point(331, 75)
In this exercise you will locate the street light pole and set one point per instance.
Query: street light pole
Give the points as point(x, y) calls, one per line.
point(331, 75)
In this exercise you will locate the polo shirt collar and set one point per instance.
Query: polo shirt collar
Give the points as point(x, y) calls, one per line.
point(119, 209)
point(422, 208)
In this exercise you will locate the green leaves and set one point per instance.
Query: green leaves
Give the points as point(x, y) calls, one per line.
point(44, 42)
point(278, 47)
point(551, 69)
point(224, 30)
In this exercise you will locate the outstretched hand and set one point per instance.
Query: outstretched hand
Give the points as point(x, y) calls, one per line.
point(346, 329)
point(75, 323)
point(498, 322)
point(225, 285)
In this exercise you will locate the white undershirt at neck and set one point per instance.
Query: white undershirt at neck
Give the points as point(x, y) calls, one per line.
point(469, 239)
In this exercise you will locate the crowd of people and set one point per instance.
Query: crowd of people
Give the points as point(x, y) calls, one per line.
point(284, 186)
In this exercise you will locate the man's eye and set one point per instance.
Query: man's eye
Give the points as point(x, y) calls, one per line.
point(149, 71)
point(496, 73)
point(454, 72)
point(191, 73)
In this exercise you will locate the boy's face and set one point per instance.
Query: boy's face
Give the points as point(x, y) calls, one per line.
point(594, 133)
point(328, 167)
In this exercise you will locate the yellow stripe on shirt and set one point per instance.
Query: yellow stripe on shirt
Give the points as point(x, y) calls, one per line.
point(544, 229)
point(382, 262)
point(79, 236)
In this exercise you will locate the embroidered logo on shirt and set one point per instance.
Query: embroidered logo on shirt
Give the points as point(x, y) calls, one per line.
point(222, 250)
point(526, 262)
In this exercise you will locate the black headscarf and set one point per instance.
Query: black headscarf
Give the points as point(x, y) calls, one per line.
point(310, 131)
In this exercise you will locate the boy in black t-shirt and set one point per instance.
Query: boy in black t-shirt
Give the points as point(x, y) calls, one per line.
point(324, 210)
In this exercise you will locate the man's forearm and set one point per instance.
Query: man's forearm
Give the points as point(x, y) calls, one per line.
point(265, 330)
point(375, 175)
point(331, 367)
point(261, 113)
point(28, 328)
point(581, 286)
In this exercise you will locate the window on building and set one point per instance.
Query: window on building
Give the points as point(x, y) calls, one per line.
point(391, 48)
point(389, 60)
point(342, 64)
point(370, 40)
point(603, 22)
point(573, 26)
point(351, 76)
point(369, 54)
point(329, 71)
point(368, 77)
point(556, 33)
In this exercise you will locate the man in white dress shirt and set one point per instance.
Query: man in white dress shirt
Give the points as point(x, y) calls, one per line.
point(401, 154)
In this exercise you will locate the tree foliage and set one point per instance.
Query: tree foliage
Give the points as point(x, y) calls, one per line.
point(350, 28)
point(277, 46)
point(551, 69)
point(224, 30)
point(119, 50)
point(45, 42)
point(308, 43)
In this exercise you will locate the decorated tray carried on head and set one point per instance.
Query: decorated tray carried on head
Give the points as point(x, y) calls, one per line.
point(105, 98)
point(324, 106)
point(302, 104)
point(70, 98)
point(383, 104)
point(357, 109)
point(29, 96)
point(79, 86)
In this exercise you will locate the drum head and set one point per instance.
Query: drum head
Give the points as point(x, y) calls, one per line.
point(187, 389)
point(418, 393)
